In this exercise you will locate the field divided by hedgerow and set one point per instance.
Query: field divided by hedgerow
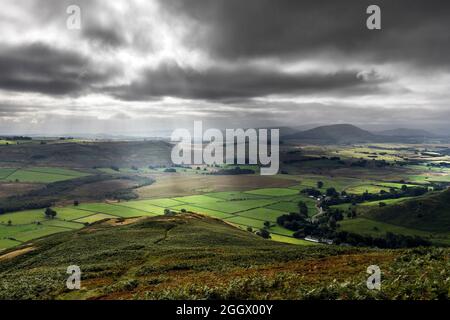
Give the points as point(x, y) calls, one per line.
point(245, 209)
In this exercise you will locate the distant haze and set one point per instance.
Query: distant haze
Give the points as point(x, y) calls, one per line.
point(147, 67)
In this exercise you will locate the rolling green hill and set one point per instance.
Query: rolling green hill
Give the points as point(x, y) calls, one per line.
point(430, 212)
point(191, 256)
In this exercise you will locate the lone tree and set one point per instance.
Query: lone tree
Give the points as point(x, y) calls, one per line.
point(50, 213)
point(76, 203)
point(319, 184)
point(266, 224)
point(264, 233)
point(302, 208)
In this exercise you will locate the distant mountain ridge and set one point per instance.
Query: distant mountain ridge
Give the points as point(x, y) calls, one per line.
point(348, 133)
point(337, 133)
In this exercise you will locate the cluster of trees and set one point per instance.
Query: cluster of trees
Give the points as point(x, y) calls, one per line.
point(389, 241)
point(334, 198)
point(263, 232)
point(311, 192)
point(168, 212)
point(308, 158)
point(299, 223)
point(393, 193)
point(50, 213)
point(234, 171)
point(16, 138)
point(326, 228)
point(365, 163)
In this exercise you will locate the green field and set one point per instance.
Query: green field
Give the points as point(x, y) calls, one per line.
point(71, 213)
point(197, 199)
point(248, 222)
point(236, 206)
point(63, 224)
point(5, 142)
point(246, 209)
point(143, 206)
point(28, 232)
point(112, 209)
point(39, 174)
point(292, 206)
point(339, 183)
point(5, 172)
point(23, 217)
point(209, 212)
point(370, 188)
point(234, 195)
point(264, 214)
point(7, 243)
point(32, 224)
point(273, 192)
point(94, 218)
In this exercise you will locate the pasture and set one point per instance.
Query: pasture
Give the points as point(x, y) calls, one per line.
point(244, 209)
point(39, 174)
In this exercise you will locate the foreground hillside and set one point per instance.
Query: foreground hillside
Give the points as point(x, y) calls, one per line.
point(195, 257)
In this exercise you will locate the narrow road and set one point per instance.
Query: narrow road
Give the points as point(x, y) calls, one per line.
point(319, 212)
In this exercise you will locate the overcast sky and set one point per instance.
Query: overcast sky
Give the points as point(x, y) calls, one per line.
point(138, 66)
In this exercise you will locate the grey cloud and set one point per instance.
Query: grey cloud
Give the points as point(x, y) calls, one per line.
point(235, 84)
point(108, 37)
point(412, 30)
point(40, 68)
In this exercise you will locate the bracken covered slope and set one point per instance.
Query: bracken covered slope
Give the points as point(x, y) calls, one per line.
point(195, 257)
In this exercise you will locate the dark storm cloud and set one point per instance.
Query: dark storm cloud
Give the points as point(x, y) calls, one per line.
point(231, 84)
point(415, 31)
point(39, 68)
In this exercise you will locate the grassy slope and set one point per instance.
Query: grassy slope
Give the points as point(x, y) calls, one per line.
point(430, 212)
point(196, 257)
